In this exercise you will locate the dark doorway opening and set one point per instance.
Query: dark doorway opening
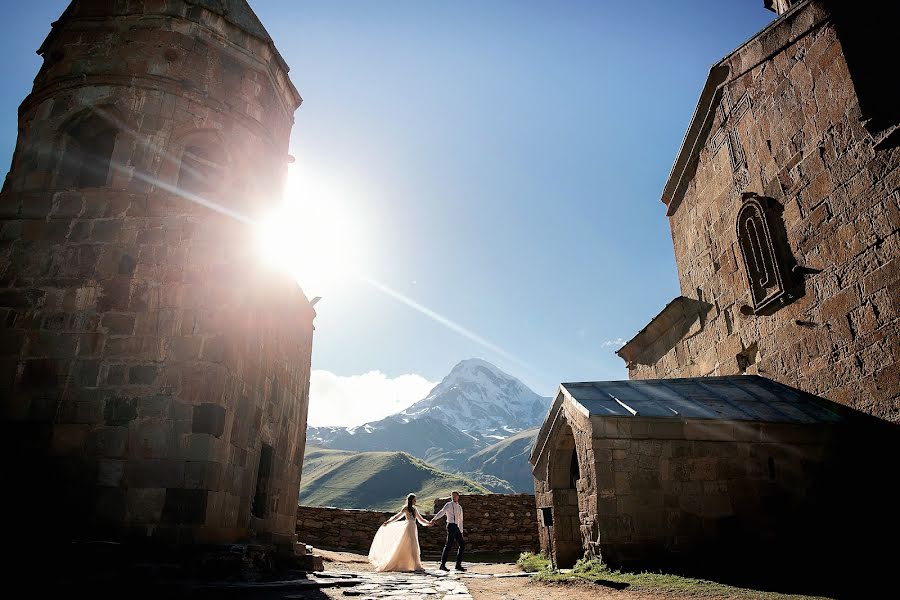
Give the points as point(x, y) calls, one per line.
point(263, 473)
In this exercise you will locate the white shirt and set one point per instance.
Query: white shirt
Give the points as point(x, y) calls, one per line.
point(454, 513)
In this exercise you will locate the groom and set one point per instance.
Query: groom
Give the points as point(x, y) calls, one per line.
point(454, 513)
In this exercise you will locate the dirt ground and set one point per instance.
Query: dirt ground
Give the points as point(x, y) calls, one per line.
point(510, 588)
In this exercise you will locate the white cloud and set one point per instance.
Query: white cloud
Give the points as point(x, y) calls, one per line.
point(616, 343)
point(357, 399)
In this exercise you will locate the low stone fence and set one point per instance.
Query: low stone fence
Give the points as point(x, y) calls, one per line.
point(493, 523)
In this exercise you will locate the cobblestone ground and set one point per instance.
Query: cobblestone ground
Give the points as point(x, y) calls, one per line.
point(431, 584)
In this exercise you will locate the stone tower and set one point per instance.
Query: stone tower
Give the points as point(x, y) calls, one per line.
point(154, 379)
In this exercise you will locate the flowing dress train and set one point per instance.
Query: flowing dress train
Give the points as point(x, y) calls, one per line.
point(396, 545)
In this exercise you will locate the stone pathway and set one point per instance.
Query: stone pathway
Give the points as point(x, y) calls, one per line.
point(431, 584)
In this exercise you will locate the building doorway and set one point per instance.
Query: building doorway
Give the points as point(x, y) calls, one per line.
point(564, 472)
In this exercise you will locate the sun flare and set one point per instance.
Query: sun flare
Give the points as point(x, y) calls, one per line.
point(312, 234)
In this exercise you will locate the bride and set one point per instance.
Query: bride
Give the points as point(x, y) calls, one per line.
point(396, 545)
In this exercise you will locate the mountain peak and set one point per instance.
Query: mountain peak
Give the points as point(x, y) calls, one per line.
point(478, 397)
point(470, 365)
point(474, 361)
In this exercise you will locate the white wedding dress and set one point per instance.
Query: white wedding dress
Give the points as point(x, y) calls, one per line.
point(396, 545)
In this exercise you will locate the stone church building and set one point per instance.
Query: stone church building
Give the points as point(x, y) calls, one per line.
point(784, 207)
point(153, 378)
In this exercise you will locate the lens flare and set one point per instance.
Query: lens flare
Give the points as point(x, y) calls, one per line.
point(312, 235)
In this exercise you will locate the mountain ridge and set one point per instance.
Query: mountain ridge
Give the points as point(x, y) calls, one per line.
point(474, 408)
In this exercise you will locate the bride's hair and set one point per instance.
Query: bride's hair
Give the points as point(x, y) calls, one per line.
point(409, 502)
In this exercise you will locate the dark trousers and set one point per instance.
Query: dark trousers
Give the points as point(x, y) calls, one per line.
point(453, 534)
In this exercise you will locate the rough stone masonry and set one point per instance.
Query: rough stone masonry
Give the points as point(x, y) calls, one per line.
point(784, 205)
point(154, 380)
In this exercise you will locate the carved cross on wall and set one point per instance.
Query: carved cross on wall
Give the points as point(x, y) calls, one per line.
point(731, 114)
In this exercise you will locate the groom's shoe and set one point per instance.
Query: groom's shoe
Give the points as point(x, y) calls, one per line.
point(443, 568)
point(460, 568)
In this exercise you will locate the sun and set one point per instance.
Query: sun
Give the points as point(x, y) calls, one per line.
point(312, 234)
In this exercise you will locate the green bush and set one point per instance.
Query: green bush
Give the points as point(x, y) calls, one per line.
point(589, 567)
point(532, 563)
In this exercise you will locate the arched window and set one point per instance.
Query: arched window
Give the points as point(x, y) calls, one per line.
point(88, 151)
point(762, 252)
point(203, 163)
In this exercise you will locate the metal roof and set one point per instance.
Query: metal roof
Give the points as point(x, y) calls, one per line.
point(738, 398)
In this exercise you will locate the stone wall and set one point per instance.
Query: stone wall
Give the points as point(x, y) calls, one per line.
point(650, 492)
point(669, 491)
point(493, 523)
point(148, 366)
point(790, 127)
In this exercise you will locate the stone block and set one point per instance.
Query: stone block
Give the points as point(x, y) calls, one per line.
point(145, 505)
point(645, 480)
point(87, 372)
point(124, 347)
point(18, 298)
point(715, 506)
point(118, 323)
point(183, 348)
point(665, 429)
point(89, 407)
point(157, 406)
point(110, 472)
point(90, 344)
point(203, 475)
point(214, 348)
point(108, 441)
point(142, 374)
point(184, 506)
point(51, 344)
point(152, 439)
point(115, 294)
point(732, 468)
point(702, 469)
point(69, 438)
point(110, 507)
point(209, 418)
point(144, 473)
point(201, 446)
point(708, 430)
point(116, 374)
point(120, 411)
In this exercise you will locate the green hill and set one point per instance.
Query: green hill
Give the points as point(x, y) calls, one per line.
point(507, 460)
point(374, 480)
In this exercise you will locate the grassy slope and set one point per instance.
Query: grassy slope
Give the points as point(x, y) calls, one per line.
point(508, 459)
point(374, 480)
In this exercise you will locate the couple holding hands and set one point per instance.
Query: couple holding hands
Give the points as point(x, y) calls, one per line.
point(396, 545)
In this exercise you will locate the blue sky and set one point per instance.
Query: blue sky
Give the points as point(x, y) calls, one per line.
point(507, 160)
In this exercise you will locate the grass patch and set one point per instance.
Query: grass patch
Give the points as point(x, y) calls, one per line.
point(594, 571)
point(532, 563)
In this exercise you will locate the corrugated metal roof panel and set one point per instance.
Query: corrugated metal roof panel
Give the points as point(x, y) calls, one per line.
point(738, 398)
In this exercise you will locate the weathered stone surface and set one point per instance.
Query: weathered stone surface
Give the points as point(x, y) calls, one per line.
point(797, 133)
point(209, 418)
point(787, 123)
point(726, 487)
point(132, 316)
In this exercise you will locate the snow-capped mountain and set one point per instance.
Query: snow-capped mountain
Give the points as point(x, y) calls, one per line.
point(480, 399)
point(475, 406)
